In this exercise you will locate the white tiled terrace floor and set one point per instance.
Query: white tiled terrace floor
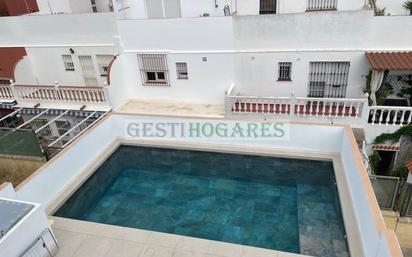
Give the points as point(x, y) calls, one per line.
point(87, 239)
point(168, 107)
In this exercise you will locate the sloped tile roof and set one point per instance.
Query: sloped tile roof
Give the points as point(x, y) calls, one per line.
point(390, 60)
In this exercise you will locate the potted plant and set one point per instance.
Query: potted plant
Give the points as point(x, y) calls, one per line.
point(408, 5)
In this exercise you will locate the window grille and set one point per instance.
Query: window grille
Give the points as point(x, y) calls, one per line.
point(89, 77)
point(103, 61)
point(68, 62)
point(181, 69)
point(285, 70)
point(62, 127)
point(328, 79)
point(94, 7)
point(153, 69)
point(267, 6)
point(319, 5)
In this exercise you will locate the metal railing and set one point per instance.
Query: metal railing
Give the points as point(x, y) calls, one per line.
point(315, 5)
point(386, 190)
point(44, 246)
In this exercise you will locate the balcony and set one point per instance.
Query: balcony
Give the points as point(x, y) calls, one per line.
point(356, 112)
point(55, 96)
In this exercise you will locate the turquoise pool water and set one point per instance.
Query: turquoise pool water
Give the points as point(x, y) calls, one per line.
point(277, 203)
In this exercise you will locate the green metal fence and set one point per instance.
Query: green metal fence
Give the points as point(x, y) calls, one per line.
point(21, 142)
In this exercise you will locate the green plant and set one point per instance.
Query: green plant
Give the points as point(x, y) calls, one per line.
point(368, 80)
point(399, 171)
point(406, 91)
point(380, 11)
point(395, 136)
point(383, 92)
point(408, 5)
point(374, 161)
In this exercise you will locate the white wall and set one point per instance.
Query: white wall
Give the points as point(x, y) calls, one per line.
point(192, 8)
point(207, 80)
point(246, 50)
point(48, 67)
point(24, 233)
point(346, 30)
point(96, 29)
point(81, 6)
point(257, 73)
point(53, 6)
point(373, 240)
point(196, 34)
point(247, 7)
point(130, 9)
point(24, 71)
point(71, 6)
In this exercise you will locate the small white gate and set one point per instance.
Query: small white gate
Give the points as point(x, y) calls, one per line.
point(44, 246)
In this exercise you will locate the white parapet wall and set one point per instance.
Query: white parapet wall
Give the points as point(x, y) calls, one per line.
point(26, 231)
point(54, 182)
point(58, 30)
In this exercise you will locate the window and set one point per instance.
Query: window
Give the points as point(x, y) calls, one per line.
point(68, 62)
point(153, 69)
point(320, 5)
point(5, 81)
point(285, 70)
point(103, 61)
point(328, 79)
point(267, 6)
point(88, 70)
point(111, 5)
point(181, 69)
point(94, 8)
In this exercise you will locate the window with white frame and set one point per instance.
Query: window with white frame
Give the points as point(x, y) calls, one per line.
point(321, 5)
point(103, 61)
point(68, 62)
point(285, 71)
point(153, 69)
point(181, 69)
point(328, 79)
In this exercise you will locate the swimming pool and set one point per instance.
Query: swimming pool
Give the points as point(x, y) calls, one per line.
point(276, 203)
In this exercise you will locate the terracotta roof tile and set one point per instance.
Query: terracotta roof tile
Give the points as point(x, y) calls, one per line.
point(386, 147)
point(390, 60)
